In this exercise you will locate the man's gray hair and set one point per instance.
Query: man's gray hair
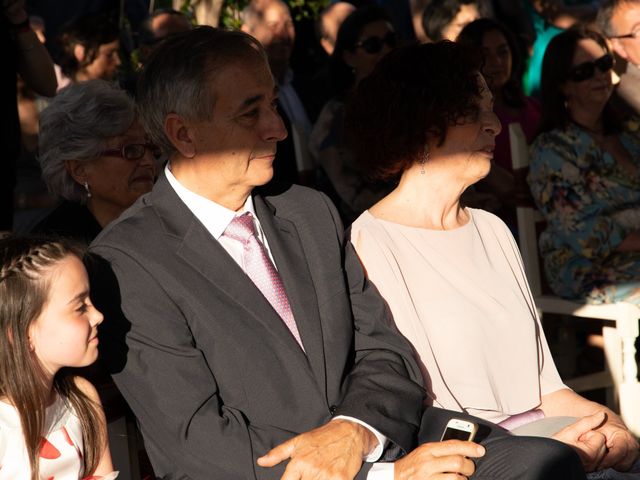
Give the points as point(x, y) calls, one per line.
point(76, 125)
point(605, 14)
point(179, 75)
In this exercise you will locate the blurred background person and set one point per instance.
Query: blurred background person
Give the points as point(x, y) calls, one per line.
point(444, 19)
point(270, 22)
point(329, 21)
point(502, 69)
point(159, 24)
point(585, 175)
point(23, 53)
point(94, 156)
point(363, 39)
point(89, 50)
point(620, 21)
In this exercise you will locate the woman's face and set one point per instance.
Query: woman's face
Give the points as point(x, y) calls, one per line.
point(497, 59)
point(116, 182)
point(372, 44)
point(468, 148)
point(105, 65)
point(593, 91)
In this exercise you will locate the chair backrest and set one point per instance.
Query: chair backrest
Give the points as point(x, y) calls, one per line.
point(526, 212)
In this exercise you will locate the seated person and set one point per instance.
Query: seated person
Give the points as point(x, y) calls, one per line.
point(452, 276)
point(502, 68)
point(239, 325)
point(94, 156)
point(444, 19)
point(363, 39)
point(89, 50)
point(585, 175)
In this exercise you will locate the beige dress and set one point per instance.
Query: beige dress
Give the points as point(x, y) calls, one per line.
point(462, 299)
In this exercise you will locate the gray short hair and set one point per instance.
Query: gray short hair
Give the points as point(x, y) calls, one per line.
point(178, 76)
point(605, 14)
point(75, 126)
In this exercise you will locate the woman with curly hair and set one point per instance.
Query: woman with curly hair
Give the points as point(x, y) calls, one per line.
point(452, 276)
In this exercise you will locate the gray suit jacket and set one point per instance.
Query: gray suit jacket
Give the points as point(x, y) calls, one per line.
point(213, 375)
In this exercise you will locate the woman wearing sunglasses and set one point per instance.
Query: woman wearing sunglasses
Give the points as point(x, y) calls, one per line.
point(94, 156)
point(363, 39)
point(585, 175)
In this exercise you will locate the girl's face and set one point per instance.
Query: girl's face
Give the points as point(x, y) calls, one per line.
point(497, 59)
point(65, 333)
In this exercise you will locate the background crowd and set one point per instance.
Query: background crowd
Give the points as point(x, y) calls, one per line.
point(356, 98)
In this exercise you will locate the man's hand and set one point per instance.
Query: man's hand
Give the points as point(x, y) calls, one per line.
point(434, 460)
point(623, 449)
point(586, 440)
point(333, 452)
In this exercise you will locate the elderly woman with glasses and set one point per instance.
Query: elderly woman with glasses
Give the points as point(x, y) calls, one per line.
point(364, 38)
point(585, 175)
point(95, 156)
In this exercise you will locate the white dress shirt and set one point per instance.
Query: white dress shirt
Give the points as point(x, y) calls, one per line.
point(215, 218)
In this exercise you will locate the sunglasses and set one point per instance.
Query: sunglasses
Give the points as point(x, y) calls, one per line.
point(587, 70)
point(375, 44)
point(133, 151)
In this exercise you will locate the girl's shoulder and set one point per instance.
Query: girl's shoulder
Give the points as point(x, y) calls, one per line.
point(87, 388)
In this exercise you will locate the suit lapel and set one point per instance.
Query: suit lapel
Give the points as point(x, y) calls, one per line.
point(287, 252)
point(207, 256)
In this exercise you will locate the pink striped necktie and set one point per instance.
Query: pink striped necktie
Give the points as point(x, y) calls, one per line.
point(260, 269)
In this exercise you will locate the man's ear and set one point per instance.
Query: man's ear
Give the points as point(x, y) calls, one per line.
point(77, 170)
point(180, 134)
point(79, 52)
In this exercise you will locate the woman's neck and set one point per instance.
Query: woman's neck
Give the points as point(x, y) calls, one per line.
point(588, 119)
point(104, 213)
point(428, 200)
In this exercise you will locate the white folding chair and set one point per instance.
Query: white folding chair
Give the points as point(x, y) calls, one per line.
point(620, 320)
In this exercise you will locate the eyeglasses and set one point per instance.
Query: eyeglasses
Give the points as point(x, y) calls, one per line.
point(634, 34)
point(375, 44)
point(133, 151)
point(587, 70)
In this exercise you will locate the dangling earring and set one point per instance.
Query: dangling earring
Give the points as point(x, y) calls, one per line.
point(425, 157)
point(86, 187)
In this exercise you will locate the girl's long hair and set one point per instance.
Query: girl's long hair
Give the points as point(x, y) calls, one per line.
point(24, 291)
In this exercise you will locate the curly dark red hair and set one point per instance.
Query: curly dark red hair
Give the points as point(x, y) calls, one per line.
point(413, 95)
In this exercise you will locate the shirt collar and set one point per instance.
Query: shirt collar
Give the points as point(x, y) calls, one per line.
point(212, 215)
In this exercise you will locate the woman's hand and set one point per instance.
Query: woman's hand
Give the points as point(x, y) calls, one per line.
point(583, 437)
point(622, 447)
point(434, 460)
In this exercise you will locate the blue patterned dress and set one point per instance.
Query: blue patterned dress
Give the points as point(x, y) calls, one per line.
point(591, 205)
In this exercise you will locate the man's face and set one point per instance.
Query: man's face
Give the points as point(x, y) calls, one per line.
point(331, 22)
point(626, 20)
point(238, 144)
point(275, 32)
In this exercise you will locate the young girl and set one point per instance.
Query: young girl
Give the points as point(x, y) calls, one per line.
point(51, 423)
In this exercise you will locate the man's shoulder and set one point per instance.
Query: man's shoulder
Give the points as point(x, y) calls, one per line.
point(136, 226)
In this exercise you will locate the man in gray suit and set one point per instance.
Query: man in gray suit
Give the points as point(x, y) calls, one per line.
point(240, 326)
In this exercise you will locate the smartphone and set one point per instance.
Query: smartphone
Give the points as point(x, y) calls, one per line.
point(458, 429)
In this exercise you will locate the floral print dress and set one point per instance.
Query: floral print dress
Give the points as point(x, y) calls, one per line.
point(591, 205)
